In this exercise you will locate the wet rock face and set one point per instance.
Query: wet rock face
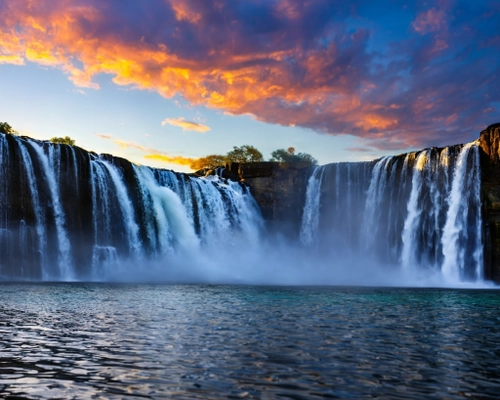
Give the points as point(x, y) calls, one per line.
point(489, 141)
point(279, 189)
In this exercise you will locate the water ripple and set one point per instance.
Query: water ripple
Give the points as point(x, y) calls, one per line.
point(206, 342)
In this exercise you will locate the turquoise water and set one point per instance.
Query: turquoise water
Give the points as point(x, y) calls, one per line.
point(203, 342)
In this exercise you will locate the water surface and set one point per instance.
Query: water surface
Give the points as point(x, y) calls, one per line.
point(206, 342)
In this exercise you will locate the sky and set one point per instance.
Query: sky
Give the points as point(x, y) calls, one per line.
point(161, 82)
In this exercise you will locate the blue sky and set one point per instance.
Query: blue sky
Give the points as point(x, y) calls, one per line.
point(43, 103)
point(343, 81)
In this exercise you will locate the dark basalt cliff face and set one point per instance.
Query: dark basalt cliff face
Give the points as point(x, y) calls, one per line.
point(489, 142)
point(279, 189)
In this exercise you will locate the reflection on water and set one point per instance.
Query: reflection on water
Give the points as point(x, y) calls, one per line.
point(208, 342)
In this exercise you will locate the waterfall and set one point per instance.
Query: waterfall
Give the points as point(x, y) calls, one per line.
point(39, 212)
point(310, 222)
point(410, 230)
point(170, 216)
point(421, 211)
point(374, 201)
point(77, 215)
point(50, 165)
point(462, 200)
point(67, 214)
point(127, 210)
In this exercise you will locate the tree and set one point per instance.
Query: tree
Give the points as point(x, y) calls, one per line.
point(7, 129)
point(63, 140)
point(211, 162)
point(244, 154)
point(289, 155)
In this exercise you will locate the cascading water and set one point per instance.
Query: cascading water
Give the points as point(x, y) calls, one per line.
point(69, 214)
point(310, 223)
point(50, 163)
point(461, 240)
point(98, 215)
point(417, 212)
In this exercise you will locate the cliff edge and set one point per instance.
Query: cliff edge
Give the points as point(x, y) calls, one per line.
point(279, 189)
point(489, 141)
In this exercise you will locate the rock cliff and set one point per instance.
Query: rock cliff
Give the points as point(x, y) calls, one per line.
point(279, 189)
point(489, 141)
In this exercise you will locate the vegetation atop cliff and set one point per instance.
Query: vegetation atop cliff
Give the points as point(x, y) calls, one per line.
point(7, 129)
point(63, 140)
point(242, 154)
point(249, 154)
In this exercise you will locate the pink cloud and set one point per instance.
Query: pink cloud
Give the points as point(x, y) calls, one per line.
point(432, 20)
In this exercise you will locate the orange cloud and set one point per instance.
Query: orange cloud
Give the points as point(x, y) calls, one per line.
point(11, 49)
point(238, 82)
point(183, 11)
point(154, 154)
point(170, 159)
point(103, 136)
point(125, 145)
point(186, 125)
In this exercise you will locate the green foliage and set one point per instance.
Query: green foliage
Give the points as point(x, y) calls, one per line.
point(289, 155)
point(63, 140)
point(244, 154)
point(7, 129)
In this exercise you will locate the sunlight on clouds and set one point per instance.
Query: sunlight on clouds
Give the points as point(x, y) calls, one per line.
point(170, 159)
point(369, 121)
point(239, 82)
point(296, 67)
point(185, 125)
point(103, 136)
point(183, 12)
point(125, 145)
point(153, 154)
point(11, 49)
point(11, 59)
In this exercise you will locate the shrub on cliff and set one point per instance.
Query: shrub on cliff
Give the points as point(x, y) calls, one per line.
point(289, 155)
point(7, 129)
point(63, 140)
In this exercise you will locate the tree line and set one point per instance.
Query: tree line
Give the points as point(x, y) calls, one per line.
point(249, 154)
point(6, 128)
